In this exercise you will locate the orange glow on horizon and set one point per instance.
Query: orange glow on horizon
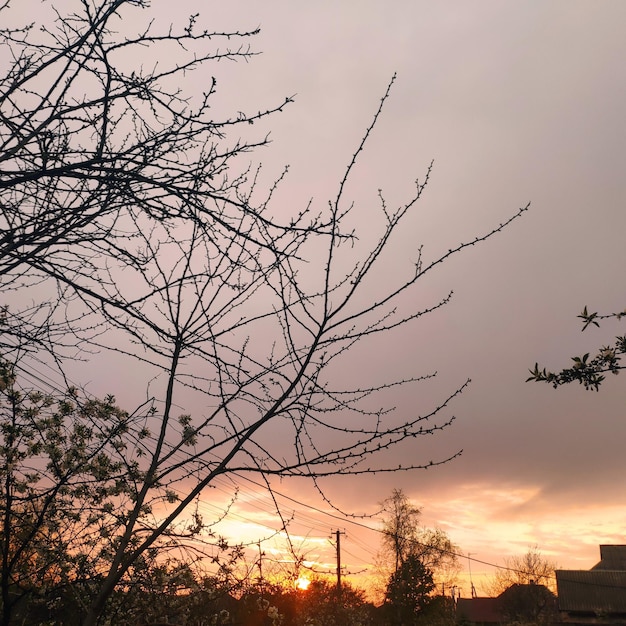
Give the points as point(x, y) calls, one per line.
point(302, 583)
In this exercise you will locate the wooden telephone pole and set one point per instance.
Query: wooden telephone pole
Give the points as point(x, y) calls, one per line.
point(338, 534)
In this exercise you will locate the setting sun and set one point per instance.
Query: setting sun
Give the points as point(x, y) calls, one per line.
point(303, 583)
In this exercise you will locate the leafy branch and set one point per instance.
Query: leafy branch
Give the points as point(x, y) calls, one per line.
point(587, 370)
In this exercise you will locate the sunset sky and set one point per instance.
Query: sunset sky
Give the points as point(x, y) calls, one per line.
point(515, 102)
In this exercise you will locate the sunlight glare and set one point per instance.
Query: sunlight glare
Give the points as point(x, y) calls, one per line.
point(303, 583)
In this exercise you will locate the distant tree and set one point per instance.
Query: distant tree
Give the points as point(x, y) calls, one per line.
point(318, 605)
point(400, 527)
point(530, 604)
point(526, 585)
point(321, 605)
point(409, 592)
point(130, 224)
point(413, 559)
point(440, 611)
point(404, 537)
point(531, 567)
point(439, 554)
point(589, 372)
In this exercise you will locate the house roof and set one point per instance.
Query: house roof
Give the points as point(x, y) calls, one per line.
point(602, 588)
point(479, 610)
point(592, 590)
point(515, 598)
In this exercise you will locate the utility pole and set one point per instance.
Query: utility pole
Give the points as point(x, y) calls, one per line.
point(338, 534)
point(469, 565)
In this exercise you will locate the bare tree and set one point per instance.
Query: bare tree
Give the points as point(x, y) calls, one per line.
point(124, 203)
point(405, 539)
point(400, 528)
point(530, 568)
point(526, 586)
point(97, 140)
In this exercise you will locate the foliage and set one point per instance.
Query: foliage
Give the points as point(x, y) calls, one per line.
point(68, 469)
point(131, 226)
point(400, 527)
point(440, 611)
point(529, 604)
point(403, 536)
point(409, 591)
point(589, 372)
point(61, 485)
point(417, 559)
point(323, 605)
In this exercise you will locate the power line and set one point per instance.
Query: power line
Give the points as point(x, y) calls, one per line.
point(34, 374)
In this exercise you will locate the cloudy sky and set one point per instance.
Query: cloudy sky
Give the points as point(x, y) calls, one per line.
point(515, 102)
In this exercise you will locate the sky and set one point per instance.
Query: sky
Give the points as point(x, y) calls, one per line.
point(515, 103)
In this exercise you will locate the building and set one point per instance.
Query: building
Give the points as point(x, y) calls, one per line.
point(595, 596)
point(519, 603)
point(477, 611)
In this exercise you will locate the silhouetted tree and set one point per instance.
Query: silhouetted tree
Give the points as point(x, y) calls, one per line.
point(404, 537)
point(409, 591)
point(531, 567)
point(528, 604)
point(59, 490)
point(322, 605)
point(129, 224)
point(400, 527)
